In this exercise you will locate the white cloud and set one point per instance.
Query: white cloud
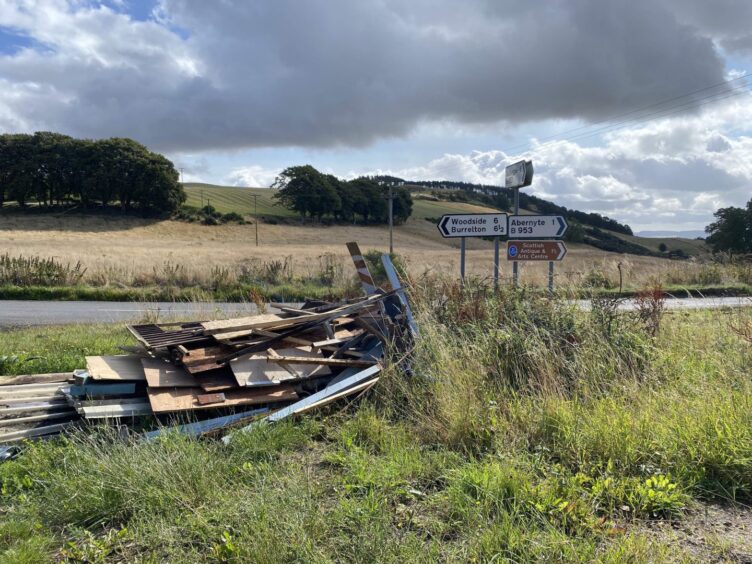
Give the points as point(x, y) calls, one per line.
point(664, 172)
point(252, 176)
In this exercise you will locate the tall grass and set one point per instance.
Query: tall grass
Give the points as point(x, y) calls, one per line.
point(37, 271)
point(526, 430)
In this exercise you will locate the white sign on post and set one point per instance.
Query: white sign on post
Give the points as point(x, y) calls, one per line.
point(473, 225)
point(536, 226)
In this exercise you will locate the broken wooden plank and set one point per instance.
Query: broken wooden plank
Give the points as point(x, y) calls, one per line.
point(368, 302)
point(217, 382)
point(364, 275)
point(221, 329)
point(122, 367)
point(163, 374)
point(322, 361)
point(226, 329)
point(185, 399)
point(204, 359)
point(206, 399)
point(256, 370)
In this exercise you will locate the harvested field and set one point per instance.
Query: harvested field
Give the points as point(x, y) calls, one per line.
point(124, 250)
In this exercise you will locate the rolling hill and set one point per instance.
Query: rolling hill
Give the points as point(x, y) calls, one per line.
point(426, 206)
point(228, 199)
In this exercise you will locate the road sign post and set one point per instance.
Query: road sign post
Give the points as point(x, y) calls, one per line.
point(496, 263)
point(462, 261)
point(473, 225)
point(516, 176)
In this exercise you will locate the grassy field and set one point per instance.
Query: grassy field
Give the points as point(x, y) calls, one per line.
point(150, 258)
point(529, 431)
point(228, 199)
point(145, 259)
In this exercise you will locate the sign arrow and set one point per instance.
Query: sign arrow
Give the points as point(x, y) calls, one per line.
point(562, 226)
point(442, 226)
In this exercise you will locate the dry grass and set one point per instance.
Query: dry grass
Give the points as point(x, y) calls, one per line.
point(121, 249)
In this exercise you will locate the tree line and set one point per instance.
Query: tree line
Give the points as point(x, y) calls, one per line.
point(732, 230)
point(317, 195)
point(50, 169)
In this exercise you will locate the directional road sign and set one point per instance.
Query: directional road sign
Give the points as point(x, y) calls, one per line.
point(536, 226)
point(535, 250)
point(473, 225)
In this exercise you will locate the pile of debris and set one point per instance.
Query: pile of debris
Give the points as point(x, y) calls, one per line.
point(220, 373)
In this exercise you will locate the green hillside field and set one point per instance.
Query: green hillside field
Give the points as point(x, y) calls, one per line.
point(228, 199)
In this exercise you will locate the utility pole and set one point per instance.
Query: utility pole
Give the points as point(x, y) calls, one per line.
point(255, 214)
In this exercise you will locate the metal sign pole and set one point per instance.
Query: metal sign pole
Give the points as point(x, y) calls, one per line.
point(551, 277)
point(496, 263)
point(462, 261)
point(515, 264)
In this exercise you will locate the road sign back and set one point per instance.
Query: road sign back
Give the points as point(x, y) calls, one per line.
point(473, 225)
point(535, 250)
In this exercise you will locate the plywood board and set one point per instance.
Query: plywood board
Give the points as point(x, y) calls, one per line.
point(163, 374)
point(224, 326)
point(124, 367)
point(184, 399)
point(256, 370)
point(218, 381)
point(204, 359)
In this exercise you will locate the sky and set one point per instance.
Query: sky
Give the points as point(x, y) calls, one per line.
point(638, 110)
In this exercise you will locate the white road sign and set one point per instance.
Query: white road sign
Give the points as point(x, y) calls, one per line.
point(536, 226)
point(473, 225)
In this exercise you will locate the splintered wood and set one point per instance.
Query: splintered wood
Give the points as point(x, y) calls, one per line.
point(294, 360)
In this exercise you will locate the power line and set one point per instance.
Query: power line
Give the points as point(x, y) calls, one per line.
point(640, 109)
point(658, 114)
point(665, 112)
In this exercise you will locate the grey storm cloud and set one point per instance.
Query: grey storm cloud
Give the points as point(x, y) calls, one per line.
point(239, 74)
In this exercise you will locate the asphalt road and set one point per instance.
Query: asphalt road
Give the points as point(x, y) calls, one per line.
point(17, 313)
point(14, 313)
